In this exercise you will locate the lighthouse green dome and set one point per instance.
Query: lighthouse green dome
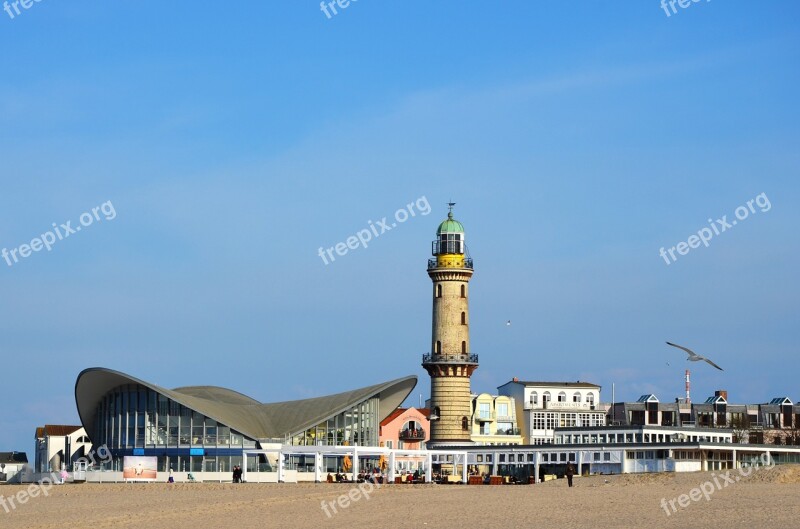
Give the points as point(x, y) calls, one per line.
point(450, 225)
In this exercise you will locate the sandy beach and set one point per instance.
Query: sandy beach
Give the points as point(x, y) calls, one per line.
point(766, 498)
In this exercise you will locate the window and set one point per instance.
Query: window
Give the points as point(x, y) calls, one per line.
point(463, 291)
point(534, 398)
point(439, 347)
point(464, 424)
point(463, 318)
point(502, 409)
point(576, 397)
point(546, 397)
point(567, 420)
point(438, 291)
point(590, 398)
point(464, 347)
point(483, 410)
point(562, 397)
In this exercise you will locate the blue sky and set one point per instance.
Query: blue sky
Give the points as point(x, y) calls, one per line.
point(234, 140)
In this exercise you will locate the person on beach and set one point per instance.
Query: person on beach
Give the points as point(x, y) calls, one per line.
point(570, 473)
point(171, 477)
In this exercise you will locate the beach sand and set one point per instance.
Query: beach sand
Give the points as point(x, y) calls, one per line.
point(768, 498)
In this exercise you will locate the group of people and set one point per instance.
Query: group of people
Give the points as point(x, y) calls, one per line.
point(237, 474)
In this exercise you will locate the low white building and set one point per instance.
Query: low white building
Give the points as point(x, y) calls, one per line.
point(542, 407)
point(12, 463)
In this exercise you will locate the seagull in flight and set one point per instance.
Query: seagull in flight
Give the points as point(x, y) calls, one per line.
point(694, 357)
point(508, 323)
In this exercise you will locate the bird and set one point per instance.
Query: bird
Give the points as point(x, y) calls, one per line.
point(508, 323)
point(694, 357)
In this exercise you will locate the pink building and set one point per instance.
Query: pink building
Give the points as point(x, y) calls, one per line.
point(406, 428)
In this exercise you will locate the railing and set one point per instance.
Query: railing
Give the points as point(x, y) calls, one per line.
point(508, 431)
point(505, 418)
point(459, 358)
point(484, 417)
point(433, 263)
point(412, 434)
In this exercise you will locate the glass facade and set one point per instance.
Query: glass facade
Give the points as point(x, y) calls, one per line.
point(135, 420)
point(356, 425)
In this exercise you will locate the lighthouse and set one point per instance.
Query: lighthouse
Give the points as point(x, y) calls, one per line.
point(450, 362)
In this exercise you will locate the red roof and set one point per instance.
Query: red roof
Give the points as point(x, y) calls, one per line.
point(56, 429)
point(399, 411)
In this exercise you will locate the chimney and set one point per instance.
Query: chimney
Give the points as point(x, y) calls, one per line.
point(515, 379)
point(722, 393)
point(688, 385)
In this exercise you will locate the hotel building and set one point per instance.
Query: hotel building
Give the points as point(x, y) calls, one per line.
point(546, 406)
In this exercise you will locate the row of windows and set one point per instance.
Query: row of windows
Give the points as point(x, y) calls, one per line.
point(630, 437)
point(438, 348)
point(485, 412)
point(439, 291)
point(553, 420)
point(138, 417)
point(561, 397)
point(648, 454)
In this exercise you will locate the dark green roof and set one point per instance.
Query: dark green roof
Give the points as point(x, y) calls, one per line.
point(450, 225)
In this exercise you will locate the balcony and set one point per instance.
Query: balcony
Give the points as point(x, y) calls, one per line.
point(467, 263)
point(509, 431)
point(484, 417)
point(458, 358)
point(412, 434)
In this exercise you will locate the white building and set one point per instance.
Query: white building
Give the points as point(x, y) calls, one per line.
point(59, 446)
point(542, 407)
point(12, 463)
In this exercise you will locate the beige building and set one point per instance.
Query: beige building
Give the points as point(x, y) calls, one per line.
point(494, 420)
point(450, 363)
